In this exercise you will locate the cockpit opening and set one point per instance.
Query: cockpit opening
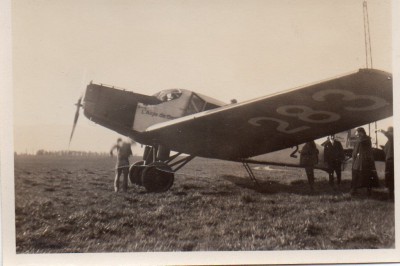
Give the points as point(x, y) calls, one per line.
point(168, 95)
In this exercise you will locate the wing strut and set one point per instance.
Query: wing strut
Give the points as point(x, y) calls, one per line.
point(250, 172)
point(181, 163)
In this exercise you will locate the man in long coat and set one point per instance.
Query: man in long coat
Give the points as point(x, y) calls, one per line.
point(363, 162)
point(333, 156)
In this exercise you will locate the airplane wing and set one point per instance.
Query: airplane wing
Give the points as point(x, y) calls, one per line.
point(281, 120)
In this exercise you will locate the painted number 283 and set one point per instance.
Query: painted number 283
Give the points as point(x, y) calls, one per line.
point(307, 114)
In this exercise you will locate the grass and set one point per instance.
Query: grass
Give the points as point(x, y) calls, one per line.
point(67, 204)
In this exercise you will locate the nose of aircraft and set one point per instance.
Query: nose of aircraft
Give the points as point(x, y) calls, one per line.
point(113, 107)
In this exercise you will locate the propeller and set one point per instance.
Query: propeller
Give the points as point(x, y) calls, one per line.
point(78, 106)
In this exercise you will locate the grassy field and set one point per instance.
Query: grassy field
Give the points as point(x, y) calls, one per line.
point(67, 204)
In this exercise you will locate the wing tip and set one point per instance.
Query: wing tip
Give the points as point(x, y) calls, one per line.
point(375, 71)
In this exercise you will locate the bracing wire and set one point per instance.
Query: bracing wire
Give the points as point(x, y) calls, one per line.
point(367, 37)
point(368, 55)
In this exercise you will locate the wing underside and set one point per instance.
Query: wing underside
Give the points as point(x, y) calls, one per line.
point(280, 121)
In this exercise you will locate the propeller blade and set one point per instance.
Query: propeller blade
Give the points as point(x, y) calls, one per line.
point(78, 106)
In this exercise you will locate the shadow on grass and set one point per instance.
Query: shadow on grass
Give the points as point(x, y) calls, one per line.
point(301, 187)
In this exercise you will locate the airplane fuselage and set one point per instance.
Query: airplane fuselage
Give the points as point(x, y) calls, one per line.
point(130, 113)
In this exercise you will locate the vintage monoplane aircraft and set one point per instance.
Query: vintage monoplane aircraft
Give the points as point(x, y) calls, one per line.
point(190, 123)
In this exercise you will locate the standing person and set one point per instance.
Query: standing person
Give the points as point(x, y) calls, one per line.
point(333, 156)
point(308, 159)
point(122, 167)
point(389, 158)
point(363, 162)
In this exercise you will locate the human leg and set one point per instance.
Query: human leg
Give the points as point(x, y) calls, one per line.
point(338, 170)
point(389, 177)
point(116, 180)
point(354, 181)
point(330, 172)
point(125, 171)
point(310, 176)
point(366, 177)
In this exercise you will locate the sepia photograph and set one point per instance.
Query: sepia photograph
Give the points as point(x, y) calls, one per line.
point(201, 131)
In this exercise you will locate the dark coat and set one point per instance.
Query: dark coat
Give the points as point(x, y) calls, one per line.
point(333, 153)
point(362, 154)
point(388, 149)
point(309, 155)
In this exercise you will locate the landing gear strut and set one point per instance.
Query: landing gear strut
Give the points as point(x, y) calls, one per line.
point(155, 172)
point(250, 172)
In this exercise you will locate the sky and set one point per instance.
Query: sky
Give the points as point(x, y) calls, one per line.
point(223, 49)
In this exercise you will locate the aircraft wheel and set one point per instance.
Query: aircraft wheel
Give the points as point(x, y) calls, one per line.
point(157, 177)
point(135, 172)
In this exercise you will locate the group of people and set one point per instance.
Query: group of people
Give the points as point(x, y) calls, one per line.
point(333, 156)
point(363, 166)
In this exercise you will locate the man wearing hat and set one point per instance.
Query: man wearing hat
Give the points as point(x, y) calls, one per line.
point(333, 157)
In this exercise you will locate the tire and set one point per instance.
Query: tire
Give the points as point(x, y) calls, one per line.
point(135, 173)
point(157, 177)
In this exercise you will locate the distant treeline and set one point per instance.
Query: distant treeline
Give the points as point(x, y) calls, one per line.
point(68, 153)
